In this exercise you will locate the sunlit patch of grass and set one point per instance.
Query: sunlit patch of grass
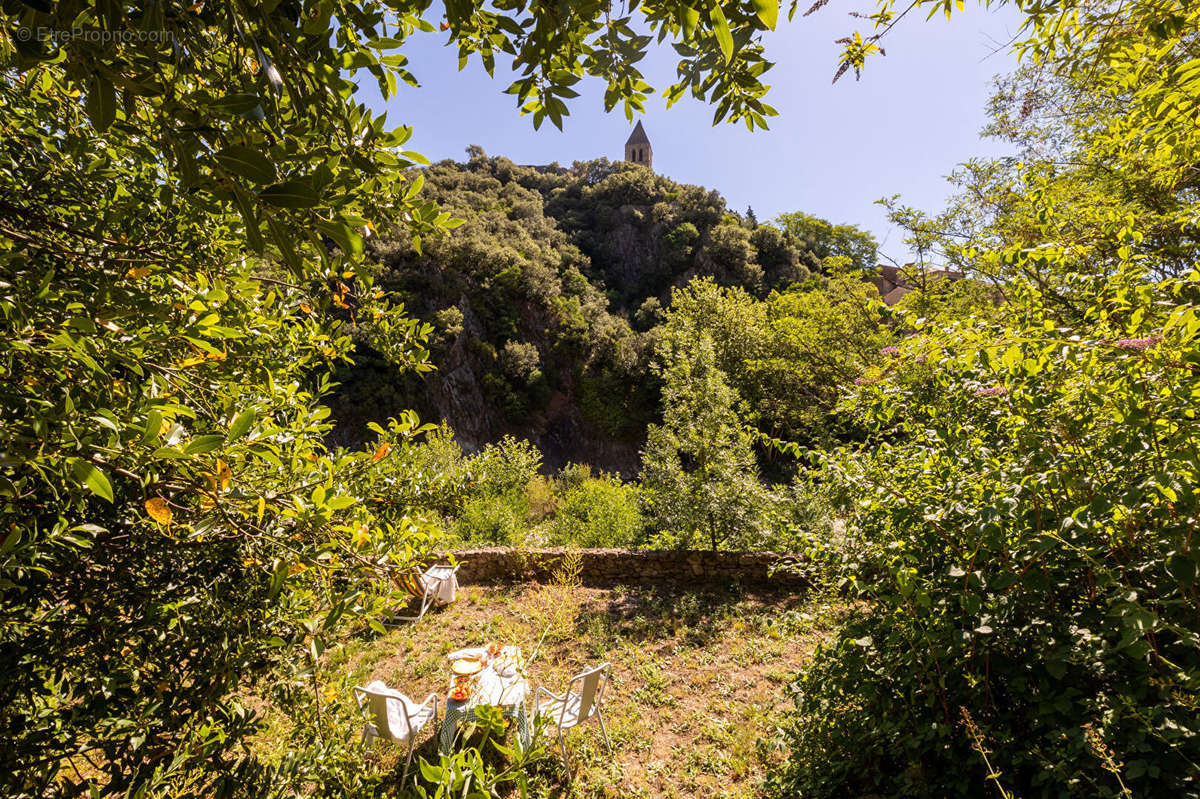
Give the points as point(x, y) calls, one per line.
point(697, 678)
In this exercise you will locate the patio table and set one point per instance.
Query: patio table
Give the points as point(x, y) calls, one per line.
point(491, 688)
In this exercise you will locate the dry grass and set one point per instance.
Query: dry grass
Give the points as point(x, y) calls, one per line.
point(698, 677)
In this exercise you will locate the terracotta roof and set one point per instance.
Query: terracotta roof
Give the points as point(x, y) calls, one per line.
point(638, 136)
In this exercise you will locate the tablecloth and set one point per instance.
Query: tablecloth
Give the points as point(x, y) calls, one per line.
point(508, 693)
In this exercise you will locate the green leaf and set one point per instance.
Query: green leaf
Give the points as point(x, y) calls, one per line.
point(238, 104)
point(689, 18)
point(721, 29)
point(284, 243)
point(247, 163)
point(201, 444)
point(349, 240)
point(429, 772)
point(1182, 569)
point(290, 194)
point(241, 423)
point(277, 578)
point(253, 235)
point(88, 474)
point(101, 105)
point(153, 425)
point(768, 12)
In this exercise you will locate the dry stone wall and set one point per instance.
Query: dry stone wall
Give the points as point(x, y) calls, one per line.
point(629, 566)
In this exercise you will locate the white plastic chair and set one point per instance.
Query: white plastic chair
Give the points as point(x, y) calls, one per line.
point(579, 703)
point(439, 583)
point(394, 717)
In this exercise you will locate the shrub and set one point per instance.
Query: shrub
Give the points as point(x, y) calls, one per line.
point(497, 519)
point(431, 475)
point(1030, 536)
point(507, 465)
point(599, 512)
point(539, 494)
point(572, 476)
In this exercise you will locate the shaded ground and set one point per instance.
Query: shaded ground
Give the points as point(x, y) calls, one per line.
point(699, 677)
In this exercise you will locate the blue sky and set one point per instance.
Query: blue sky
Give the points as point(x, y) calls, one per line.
point(832, 151)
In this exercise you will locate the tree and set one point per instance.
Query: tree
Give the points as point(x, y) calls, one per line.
point(822, 239)
point(791, 357)
point(186, 193)
point(173, 521)
point(699, 481)
point(1025, 506)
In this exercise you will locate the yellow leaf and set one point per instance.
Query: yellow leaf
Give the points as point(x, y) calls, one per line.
point(361, 536)
point(191, 362)
point(217, 356)
point(382, 452)
point(262, 507)
point(306, 307)
point(138, 272)
point(159, 510)
point(224, 476)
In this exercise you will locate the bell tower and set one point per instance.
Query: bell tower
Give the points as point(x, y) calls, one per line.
point(638, 149)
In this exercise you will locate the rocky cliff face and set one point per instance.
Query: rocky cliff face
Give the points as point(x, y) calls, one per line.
point(454, 390)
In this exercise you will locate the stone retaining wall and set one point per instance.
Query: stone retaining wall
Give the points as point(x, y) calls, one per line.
point(629, 566)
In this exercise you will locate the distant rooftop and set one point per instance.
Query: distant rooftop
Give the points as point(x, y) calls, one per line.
point(638, 136)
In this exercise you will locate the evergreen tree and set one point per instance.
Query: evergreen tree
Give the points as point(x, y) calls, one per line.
point(699, 477)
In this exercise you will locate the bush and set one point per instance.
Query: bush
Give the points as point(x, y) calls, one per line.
point(540, 496)
point(1029, 536)
point(506, 466)
point(496, 519)
point(572, 476)
point(599, 512)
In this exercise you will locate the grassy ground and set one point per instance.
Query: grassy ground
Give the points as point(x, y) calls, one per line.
point(698, 678)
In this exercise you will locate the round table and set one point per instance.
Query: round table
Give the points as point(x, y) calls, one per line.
point(491, 688)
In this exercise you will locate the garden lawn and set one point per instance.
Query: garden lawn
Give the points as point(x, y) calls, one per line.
point(699, 679)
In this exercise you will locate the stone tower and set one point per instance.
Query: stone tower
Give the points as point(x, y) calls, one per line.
point(638, 149)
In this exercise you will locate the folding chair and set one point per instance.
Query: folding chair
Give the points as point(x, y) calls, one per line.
point(396, 717)
point(437, 584)
point(579, 703)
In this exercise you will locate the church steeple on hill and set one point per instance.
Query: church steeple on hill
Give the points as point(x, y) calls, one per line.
point(638, 149)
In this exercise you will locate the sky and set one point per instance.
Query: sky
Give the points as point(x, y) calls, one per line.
point(832, 152)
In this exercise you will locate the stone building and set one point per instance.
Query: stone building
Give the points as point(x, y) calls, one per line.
point(638, 149)
point(894, 282)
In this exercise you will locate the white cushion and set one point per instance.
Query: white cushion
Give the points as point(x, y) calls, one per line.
point(554, 711)
point(394, 702)
point(442, 582)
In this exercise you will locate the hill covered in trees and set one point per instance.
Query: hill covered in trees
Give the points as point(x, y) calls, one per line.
point(547, 302)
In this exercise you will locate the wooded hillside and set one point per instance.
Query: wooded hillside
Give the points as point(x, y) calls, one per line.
point(547, 301)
